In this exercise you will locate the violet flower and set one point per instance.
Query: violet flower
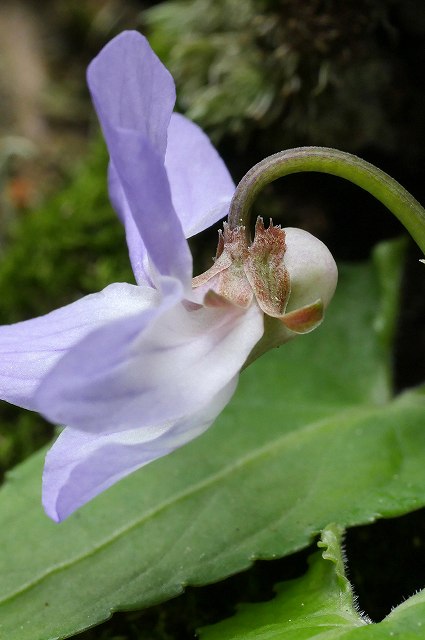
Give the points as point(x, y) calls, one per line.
point(136, 371)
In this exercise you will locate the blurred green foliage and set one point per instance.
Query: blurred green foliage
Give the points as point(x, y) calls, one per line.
point(73, 245)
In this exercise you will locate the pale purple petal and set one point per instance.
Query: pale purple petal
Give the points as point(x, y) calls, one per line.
point(132, 89)
point(201, 185)
point(136, 248)
point(144, 183)
point(133, 95)
point(80, 465)
point(122, 377)
point(30, 349)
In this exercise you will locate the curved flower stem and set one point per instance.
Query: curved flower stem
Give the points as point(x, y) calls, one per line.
point(338, 163)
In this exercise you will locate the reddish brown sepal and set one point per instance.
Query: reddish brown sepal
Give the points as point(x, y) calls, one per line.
point(227, 276)
point(265, 269)
point(305, 319)
point(213, 299)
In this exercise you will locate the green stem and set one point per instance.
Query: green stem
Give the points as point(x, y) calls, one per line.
point(344, 165)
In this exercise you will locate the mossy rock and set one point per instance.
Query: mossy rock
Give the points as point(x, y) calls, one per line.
point(308, 73)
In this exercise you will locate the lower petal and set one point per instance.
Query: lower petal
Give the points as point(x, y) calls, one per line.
point(79, 466)
point(30, 349)
point(123, 376)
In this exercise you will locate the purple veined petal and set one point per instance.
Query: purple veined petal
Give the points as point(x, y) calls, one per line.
point(121, 376)
point(132, 89)
point(134, 95)
point(29, 349)
point(81, 465)
point(201, 185)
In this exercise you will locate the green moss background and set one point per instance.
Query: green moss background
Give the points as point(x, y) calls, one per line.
point(297, 71)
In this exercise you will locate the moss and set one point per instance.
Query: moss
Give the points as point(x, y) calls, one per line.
point(71, 246)
point(309, 73)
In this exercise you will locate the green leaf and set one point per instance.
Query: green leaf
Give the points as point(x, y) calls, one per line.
point(315, 604)
point(320, 604)
point(311, 437)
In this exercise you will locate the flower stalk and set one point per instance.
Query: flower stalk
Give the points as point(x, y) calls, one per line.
point(338, 163)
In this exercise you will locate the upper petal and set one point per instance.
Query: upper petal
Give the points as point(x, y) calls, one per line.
point(201, 185)
point(134, 95)
point(145, 186)
point(132, 89)
point(136, 247)
point(122, 376)
point(29, 349)
point(81, 465)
